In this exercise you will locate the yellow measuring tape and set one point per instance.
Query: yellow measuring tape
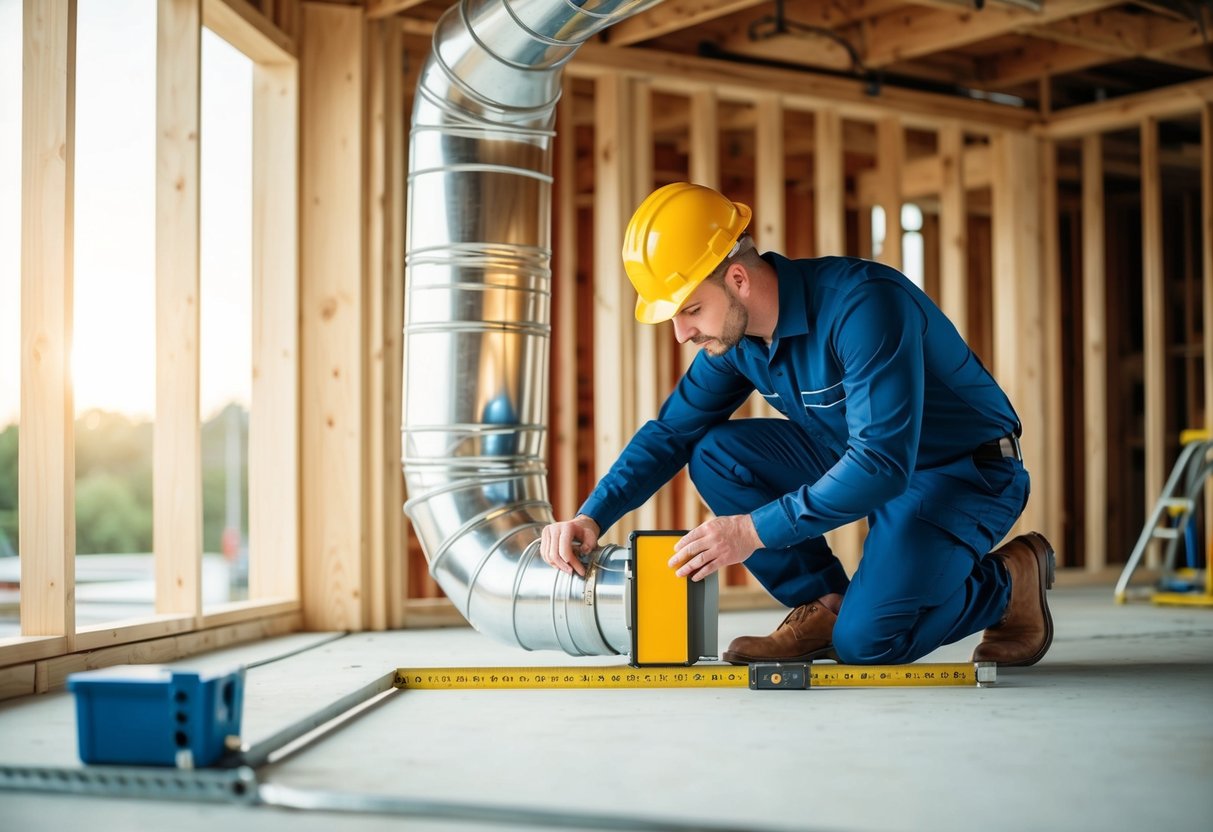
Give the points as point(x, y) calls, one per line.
point(757, 676)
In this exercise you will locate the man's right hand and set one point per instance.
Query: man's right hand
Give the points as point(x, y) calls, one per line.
point(561, 543)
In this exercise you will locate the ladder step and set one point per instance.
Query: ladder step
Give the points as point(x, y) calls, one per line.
point(1166, 534)
point(1179, 505)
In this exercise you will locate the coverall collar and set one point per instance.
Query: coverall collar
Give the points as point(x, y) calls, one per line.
point(792, 318)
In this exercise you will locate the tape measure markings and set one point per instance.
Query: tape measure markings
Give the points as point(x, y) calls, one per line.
point(707, 676)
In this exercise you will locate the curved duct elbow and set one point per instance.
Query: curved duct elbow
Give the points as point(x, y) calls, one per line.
point(477, 329)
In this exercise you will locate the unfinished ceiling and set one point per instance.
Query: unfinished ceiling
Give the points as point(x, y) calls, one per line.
point(1042, 54)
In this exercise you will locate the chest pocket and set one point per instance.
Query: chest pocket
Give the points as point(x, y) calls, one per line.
point(831, 396)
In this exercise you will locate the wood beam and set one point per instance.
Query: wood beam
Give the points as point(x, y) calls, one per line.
point(614, 348)
point(727, 80)
point(1198, 57)
point(905, 34)
point(704, 162)
point(1017, 291)
point(890, 159)
point(564, 312)
point(249, 30)
point(807, 49)
point(650, 383)
point(769, 226)
point(1206, 223)
point(1094, 356)
point(46, 468)
point(1107, 30)
point(923, 177)
point(377, 9)
point(770, 229)
point(273, 477)
point(829, 194)
point(335, 589)
point(1054, 434)
point(1154, 313)
point(665, 18)
point(1092, 40)
point(177, 437)
point(1168, 102)
point(385, 119)
point(953, 229)
point(1034, 59)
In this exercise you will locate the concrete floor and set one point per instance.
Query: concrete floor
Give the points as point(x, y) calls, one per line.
point(1113, 730)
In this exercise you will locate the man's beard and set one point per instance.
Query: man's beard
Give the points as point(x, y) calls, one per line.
point(736, 321)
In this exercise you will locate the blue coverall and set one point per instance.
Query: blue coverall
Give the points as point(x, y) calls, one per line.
point(885, 406)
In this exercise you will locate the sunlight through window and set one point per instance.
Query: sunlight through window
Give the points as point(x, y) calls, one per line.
point(10, 309)
point(226, 310)
point(114, 329)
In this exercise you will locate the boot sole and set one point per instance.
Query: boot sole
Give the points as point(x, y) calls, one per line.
point(821, 653)
point(1046, 562)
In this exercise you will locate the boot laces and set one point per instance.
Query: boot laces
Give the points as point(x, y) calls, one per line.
point(799, 614)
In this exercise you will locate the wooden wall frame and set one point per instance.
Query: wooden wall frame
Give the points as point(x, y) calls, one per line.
point(51, 644)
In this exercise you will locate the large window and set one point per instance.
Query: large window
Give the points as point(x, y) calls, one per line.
point(10, 308)
point(114, 326)
point(226, 310)
point(149, 300)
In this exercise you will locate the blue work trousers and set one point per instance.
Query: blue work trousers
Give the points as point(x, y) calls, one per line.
point(924, 579)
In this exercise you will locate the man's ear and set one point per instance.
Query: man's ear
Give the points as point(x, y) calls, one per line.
point(737, 277)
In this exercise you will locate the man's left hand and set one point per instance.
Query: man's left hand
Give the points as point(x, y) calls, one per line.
point(714, 545)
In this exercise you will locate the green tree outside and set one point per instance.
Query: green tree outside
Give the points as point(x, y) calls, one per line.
point(114, 483)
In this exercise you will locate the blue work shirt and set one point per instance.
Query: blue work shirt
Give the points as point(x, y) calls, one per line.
point(864, 362)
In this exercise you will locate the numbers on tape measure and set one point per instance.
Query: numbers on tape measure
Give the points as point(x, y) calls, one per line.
point(679, 676)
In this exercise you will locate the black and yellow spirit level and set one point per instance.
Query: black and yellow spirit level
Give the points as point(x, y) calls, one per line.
point(673, 620)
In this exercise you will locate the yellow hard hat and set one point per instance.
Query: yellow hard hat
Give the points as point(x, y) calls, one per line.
point(678, 235)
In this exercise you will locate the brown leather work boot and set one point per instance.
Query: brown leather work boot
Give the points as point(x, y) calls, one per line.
point(805, 634)
point(1026, 630)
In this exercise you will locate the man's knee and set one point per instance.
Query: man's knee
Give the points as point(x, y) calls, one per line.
point(860, 640)
point(713, 458)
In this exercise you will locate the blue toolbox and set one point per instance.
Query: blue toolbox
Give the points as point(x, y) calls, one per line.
point(157, 716)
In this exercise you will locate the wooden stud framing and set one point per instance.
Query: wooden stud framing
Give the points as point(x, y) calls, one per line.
point(1095, 357)
point(46, 452)
point(1153, 288)
point(334, 579)
point(953, 229)
point(704, 161)
point(274, 415)
point(250, 31)
point(1054, 434)
point(769, 152)
point(1206, 225)
point(733, 81)
point(613, 298)
point(770, 210)
point(1017, 291)
point(1129, 110)
point(890, 140)
point(563, 432)
point(384, 322)
point(923, 176)
point(647, 379)
point(177, 453)
point(829, 194)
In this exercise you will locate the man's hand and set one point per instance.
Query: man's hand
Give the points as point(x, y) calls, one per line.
point(714, 545)
point(558, 540)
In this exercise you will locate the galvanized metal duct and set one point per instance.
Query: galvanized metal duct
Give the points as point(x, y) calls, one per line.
point(477, 326)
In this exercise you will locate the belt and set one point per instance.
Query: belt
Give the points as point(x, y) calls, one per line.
point(1000, 448)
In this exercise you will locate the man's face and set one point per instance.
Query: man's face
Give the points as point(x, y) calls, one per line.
point(713, 318)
